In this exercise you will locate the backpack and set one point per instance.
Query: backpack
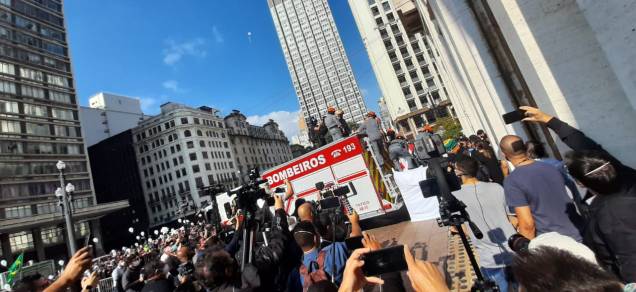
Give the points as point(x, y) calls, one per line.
point(315, 272)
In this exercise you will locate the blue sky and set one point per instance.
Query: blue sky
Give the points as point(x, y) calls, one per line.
point(196, 52)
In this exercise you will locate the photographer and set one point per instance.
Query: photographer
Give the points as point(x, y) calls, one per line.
point(611, 228)
point(487, 204)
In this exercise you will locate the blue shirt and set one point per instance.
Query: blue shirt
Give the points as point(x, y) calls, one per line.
point(341, 259)
point(541, 187)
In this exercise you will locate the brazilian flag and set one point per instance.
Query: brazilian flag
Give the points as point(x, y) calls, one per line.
point(15, 268)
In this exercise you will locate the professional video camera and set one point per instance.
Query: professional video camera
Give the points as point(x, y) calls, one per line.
point(249, 193)
point(441, 182)
point(333, 196)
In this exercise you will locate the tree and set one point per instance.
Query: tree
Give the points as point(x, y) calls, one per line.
point(450, 126)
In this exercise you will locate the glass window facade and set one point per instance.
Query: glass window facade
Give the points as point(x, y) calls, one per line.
point(39, 124)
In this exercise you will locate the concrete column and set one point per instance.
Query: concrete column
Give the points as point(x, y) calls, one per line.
point(38, 244)
point(412, 126)
point(96, 231)
point(6, 247)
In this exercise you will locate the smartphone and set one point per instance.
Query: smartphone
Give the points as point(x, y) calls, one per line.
point(514, 116)
point(87, 241)
point(354, 243)
point(386, 260)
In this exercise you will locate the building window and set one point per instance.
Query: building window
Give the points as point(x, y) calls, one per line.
point(184, 121)
point(187, 133)
point(190, 144)
point(17, 212)
point(193, 156)
point(195, 168)
point(196, 121)
point(21, 241)
point(81, 229)
point(52, 235)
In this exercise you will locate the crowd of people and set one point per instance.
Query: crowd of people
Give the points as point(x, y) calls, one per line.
point(577, 217)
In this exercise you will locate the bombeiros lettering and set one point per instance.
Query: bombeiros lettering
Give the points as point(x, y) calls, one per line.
point(297, 169)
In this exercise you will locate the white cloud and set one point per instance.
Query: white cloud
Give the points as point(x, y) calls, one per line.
point(174, 51)
point(149, 105)
point(287, 121)
point(218, 37)
point(172, 85)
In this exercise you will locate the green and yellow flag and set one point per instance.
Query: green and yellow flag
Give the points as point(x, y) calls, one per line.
point(14, 269)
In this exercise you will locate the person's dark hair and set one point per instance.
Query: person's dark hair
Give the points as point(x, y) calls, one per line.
point(217, 268)
point(594, 169)
point(474, 138)
point(323, 286)
point(324, 227)
point(305, 234)
point(480, 131)
point(153, 267)
point(27, 283)
point(485, 149)
point(551, 269)
point(535, 150)
point(391, 135)
point(467, 165)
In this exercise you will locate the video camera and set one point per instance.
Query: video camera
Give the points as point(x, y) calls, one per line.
point(333, 196)
point(441, 182)
point(249, 193)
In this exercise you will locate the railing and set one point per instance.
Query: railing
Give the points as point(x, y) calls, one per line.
point(105, 285)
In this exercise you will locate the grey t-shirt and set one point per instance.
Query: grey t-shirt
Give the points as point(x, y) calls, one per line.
point(486, 204)
point(541, 187)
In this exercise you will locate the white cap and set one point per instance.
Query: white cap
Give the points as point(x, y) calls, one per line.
point(562, 242)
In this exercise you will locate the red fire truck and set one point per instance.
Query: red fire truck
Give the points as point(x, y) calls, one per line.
point(344, 162)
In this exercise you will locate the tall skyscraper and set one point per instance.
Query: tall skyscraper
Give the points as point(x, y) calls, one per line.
point(39, 126)
point(404, 60)
point(108, 115)
point(316, 59)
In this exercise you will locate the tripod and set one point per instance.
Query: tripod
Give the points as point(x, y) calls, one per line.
point(453, 213)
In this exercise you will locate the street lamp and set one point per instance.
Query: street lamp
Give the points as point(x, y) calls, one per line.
point(63, 198)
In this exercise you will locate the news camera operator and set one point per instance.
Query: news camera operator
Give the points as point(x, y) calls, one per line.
point(611, 228)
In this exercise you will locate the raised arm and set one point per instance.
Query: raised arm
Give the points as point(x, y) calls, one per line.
point(571, 136)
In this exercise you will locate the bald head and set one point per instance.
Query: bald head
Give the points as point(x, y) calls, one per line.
point(305, 212)
point(512, 146)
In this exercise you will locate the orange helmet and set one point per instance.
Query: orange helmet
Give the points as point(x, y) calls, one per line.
point(371, 114)
point(331, 109)
point(428, 128)
point(390, 131)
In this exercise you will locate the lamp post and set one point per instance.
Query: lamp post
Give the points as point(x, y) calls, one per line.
point(62, 196)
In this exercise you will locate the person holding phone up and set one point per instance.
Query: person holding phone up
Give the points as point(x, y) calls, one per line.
point(611, 227)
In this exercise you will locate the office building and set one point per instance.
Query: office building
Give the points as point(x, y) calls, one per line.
point(404, 60)
point(573, 59)
point(318, 65)
point(116, 177)
point(179, 152)
point(260, 147)
point(39, 126)
point(108, 115)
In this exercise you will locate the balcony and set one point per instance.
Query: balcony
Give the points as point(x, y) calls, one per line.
point(399, 72)
point(385, 36)
point(395, 60)
point(421, 92)
point(408, 95)
point(404, 84)
point(415, 79)
point(428, 76)
point(410, 67)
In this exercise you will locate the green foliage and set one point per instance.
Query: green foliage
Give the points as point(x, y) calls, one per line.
point(450, 127)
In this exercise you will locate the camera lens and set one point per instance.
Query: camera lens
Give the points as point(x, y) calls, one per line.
point(518, 243)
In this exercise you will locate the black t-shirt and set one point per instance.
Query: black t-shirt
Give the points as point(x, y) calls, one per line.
point(159, 285)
